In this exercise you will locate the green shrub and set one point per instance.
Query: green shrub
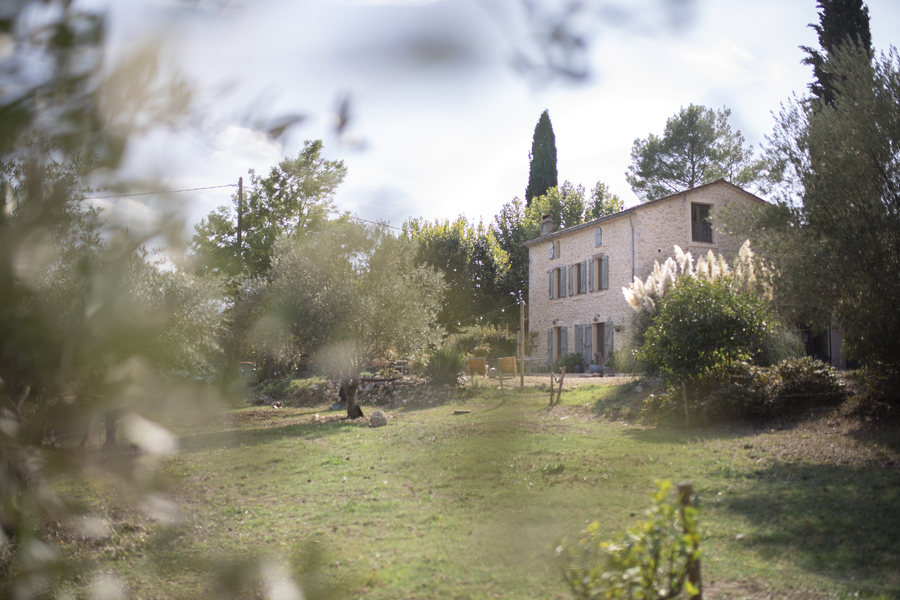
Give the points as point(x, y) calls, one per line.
point(750, 393)
point(444, 366)
point(418, 362)
point(647, 561)
point(703, 328)
point(569, 361)
point(626, 358)
point(666, 408)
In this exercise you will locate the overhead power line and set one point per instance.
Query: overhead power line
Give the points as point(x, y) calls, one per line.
point(212, 187)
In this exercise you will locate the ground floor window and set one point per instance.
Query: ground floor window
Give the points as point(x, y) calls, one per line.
point(557, 343)
point(602, 342)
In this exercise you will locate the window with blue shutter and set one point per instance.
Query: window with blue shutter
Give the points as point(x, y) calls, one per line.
point(582, 279)
point(591, 276)
point(598, 237)
point(549, 346)
point(551, 284)
point(588, 351)
point(571, 279)
point(604, 273)
point(563, 341)
point(579, 339)
point(562, 282)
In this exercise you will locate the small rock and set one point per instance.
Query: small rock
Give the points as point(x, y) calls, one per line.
point(316, 418)
point(639, 388)
point(740, 536)
point(369, 387)
point(377, 419)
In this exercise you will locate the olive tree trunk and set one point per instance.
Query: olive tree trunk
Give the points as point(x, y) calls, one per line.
point(351, 387)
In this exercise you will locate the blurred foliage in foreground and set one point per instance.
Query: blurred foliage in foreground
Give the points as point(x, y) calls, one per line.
point(650, 560)
point(91, 328)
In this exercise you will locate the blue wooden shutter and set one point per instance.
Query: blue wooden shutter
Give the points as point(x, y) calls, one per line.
point(571, 279)
point(579, 339)
point(562, 282)
point(563, 341)
point(583, 282)
point(588, 343)
point(549, 346)
point(604, 273)
point(551, 283)
point(608, 342)
point(598, 237)
point(591, 275)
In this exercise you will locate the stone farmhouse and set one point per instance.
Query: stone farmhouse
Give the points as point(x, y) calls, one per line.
point(576, 274)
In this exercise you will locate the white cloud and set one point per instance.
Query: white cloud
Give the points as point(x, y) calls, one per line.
point(125, 212)
point(244, 148)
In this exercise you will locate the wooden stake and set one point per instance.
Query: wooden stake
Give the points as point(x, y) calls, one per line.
point(687, 415)
point(552, 382)
point(562, 375)
point(686, 489)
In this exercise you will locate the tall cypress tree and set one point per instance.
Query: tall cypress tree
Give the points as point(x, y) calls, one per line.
point(542, 175)
point(841, 22)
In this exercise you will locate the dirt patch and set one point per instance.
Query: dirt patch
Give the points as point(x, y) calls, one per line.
point(748, 590)
point(572, 380)
point(830, 440)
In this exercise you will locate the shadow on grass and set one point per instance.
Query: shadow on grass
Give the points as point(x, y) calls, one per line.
point(686, 436)
point(883, 435)
point(839, 522)
point(246, 436)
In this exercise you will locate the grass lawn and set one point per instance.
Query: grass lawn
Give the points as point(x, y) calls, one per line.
point(437, 505)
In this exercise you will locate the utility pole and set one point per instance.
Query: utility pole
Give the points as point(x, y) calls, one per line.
point(240, 221)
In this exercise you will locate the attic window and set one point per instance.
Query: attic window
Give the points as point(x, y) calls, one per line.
point(598, 237)
point(701, 228)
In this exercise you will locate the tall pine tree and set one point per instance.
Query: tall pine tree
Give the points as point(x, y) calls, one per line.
point(542, 175)
point(841, 22)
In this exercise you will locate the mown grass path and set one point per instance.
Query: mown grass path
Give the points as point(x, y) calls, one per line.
point(436, 505)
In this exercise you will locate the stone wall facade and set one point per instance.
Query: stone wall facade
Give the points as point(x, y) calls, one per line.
point(586, 317)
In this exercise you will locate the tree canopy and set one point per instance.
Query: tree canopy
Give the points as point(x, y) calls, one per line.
point(473, 265)
point(602, 203)
point(841, 23)
point(342, 297)
point(516, 223)
point(696, 147)
point(542, 174)
point(837, 242)
point(296, 197)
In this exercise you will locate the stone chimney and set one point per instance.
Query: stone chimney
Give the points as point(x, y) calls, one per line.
point(546, 225)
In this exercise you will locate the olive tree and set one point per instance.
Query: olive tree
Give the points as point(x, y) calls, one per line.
point(345, 296)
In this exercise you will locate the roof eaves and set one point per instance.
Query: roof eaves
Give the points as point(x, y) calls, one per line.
point(622, 212)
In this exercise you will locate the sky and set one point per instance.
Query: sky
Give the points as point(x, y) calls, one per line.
point(441, 117)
